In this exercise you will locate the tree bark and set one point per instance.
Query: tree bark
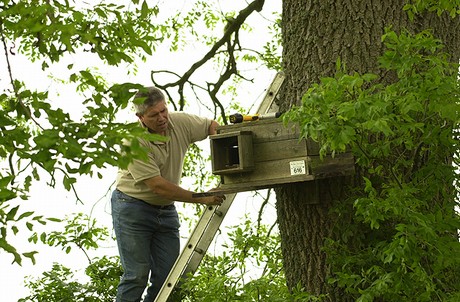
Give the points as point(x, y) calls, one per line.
point(315, 34)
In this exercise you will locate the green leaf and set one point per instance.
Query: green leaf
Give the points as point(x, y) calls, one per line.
point(144, 10)
point(15, 229)
point(31, 256)
point(68, 182)
point(45, 140)
point(43, 237)
point(33, 238)
point(54, 219)
point(30, 226)
point(5, 180)
point(12, 213)
point(25, 214)
point(10, 249)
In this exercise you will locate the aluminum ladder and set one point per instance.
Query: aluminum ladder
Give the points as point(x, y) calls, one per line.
point(209, 223)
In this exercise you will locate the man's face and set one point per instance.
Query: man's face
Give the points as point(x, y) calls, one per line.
point(156, 118)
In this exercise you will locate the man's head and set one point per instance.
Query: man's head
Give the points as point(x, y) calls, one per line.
point(153, 112)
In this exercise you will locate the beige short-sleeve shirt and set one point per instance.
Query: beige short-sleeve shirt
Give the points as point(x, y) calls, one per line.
point(165, 159)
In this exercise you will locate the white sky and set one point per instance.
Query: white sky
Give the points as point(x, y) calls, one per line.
point(58, 202)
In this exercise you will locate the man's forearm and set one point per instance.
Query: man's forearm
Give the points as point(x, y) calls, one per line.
point(168, 190)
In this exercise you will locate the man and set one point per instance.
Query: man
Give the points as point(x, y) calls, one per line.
point(144, 217)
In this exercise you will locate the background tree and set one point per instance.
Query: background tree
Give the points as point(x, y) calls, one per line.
point(393, 121)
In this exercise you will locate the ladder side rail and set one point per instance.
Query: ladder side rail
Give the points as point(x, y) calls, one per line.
point(268, 100)
point(208, 236)
point(196, 246)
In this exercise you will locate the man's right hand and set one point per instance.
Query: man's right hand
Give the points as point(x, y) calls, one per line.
point(213, 200)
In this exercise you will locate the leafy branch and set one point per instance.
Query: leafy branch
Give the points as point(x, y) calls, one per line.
point(80, 231)
point(12, 82)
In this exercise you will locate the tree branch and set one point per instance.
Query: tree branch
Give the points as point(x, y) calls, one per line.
point(10, 73)
point(261, 209)
point(232, 28)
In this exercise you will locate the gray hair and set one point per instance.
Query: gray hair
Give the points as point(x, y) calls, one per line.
point(152, 97)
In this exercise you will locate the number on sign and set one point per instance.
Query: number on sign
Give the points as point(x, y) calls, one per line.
point(298, 167)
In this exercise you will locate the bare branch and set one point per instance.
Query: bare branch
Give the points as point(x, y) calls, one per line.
point(261, 209)
point(230, 69)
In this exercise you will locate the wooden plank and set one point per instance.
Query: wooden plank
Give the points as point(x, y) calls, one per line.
point(228, 134)
point(224, 189)
point(277, 170)
point(264, 130)
point(266, 183)
point(341, 164)
point(312, 147)
point(272, 130)
point(278, 150)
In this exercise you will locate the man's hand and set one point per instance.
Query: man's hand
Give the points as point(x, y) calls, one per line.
point(168, 190)
point(213, 128)
point(213, 200)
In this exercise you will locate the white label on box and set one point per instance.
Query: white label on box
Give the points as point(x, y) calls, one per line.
point(298, 167)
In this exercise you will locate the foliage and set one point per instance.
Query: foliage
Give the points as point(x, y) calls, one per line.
point(48, 30)
point(271, 55)
point(60, 283)
point(248, 267)
point(9, 219)
point(403, 242)
point(416, 7)
point(80, 230)
point(36, 136)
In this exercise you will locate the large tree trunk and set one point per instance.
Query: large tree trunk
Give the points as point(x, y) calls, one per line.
point(315, 34)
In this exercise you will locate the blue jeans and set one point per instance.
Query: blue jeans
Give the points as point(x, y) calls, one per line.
point(148, 243)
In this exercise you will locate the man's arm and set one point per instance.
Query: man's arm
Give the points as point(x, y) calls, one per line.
point(168, 190)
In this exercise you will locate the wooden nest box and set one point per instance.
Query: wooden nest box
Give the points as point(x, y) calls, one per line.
point(264, 153)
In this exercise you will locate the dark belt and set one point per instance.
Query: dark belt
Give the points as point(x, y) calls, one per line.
point(169, 206)
point(161, 207)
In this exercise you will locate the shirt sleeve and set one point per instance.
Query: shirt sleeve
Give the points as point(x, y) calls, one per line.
point(198, 127)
